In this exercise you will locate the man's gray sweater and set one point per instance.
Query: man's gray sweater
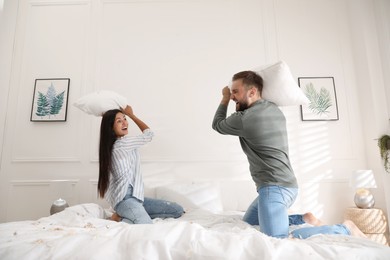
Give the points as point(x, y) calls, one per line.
point(263, 136)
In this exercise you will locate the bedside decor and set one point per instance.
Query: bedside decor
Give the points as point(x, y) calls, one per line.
point(60, 189)
point(372, 222)
point(58, 206)
point(362, 180)
point(384, 147)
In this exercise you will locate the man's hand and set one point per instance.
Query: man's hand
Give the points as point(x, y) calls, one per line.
point(226, 92)
point(225, 96)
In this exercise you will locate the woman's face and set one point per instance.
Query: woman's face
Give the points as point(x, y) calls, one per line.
point(120, 125)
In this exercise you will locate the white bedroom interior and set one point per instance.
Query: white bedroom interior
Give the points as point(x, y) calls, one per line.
point(171, 59)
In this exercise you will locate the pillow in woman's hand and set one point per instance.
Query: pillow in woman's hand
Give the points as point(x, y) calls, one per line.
point(97, 103)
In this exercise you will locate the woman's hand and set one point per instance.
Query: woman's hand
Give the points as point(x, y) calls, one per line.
point(128, 111)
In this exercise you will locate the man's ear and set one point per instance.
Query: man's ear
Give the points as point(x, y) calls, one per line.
point(252, 91)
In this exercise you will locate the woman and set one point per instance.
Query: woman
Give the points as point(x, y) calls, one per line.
point(120, 179)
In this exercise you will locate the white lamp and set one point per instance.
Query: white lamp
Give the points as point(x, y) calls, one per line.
point(362, 180)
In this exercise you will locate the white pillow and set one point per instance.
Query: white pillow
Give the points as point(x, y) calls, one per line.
point(280, 87)
point(97, 103)
point(192, 195)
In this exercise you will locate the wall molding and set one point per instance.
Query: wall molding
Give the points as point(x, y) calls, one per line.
point(184, 160)
point(62, 2)
point(19, 60)
point(302, 181)
point(42, 182)
point(45, 159)
point(321, 181)
point(155, 1)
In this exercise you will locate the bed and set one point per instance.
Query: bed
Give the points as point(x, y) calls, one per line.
point(83, 232)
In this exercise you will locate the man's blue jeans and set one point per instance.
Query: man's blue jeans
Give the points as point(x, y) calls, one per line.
point(270, 210)
point(338, 229)
point(134, 211)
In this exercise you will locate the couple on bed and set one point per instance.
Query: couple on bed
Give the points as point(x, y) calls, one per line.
point(261, 128)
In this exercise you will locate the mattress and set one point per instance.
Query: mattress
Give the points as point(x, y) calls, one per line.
point(83, 232)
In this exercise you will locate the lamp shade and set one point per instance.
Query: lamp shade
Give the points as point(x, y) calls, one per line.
point(362, 179)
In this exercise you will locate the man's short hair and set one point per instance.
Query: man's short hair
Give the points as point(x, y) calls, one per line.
point(249, 79)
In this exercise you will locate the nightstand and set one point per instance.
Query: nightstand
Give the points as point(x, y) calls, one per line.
point(372, 222)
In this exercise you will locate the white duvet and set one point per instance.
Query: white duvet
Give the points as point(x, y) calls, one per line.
point(82, 232)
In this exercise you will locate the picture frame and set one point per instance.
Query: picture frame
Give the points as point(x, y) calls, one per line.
point(321, 92)
point(50, 100)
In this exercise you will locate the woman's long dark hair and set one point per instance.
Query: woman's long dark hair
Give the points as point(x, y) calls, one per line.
point(107, 140)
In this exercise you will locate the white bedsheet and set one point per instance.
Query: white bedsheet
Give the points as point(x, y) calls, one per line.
point(81, 232)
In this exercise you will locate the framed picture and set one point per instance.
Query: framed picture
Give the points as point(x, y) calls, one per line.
point(321, 93)
point(50, 100)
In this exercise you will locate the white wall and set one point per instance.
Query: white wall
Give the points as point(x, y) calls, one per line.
point(8, 15)
point(171, 59)
point(372, 66)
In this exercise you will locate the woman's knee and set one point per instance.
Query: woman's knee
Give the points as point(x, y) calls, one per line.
point(133, 212)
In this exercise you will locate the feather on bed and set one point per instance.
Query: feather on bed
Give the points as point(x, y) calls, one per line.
point(82, 232)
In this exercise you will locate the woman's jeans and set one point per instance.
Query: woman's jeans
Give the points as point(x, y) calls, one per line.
point(270, 210)
point(134, 211)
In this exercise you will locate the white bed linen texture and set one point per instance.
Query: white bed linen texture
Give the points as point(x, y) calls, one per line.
point(82, 232)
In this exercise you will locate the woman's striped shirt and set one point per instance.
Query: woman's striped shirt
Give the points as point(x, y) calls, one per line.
point(125, 167)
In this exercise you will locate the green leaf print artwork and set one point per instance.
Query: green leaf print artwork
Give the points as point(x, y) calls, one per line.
point(320, 101)
point(51, 103)
point(50, 100)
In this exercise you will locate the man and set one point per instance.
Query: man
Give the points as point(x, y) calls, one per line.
point(261, 128)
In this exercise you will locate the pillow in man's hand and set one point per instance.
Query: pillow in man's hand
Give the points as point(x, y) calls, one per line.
point(280, 87)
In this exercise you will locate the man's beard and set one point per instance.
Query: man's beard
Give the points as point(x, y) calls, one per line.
point(241, 106)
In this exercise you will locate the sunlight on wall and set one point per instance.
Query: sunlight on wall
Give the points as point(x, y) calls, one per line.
point(310, 154)
point(308, 198)
point(309, 145)
point(313, 147)
point(309, 194)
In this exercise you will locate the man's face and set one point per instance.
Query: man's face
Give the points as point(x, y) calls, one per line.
point(239, 94)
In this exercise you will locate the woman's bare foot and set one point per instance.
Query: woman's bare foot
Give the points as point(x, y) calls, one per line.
point(115, 217)
point(311, 219)
point(355, 231)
